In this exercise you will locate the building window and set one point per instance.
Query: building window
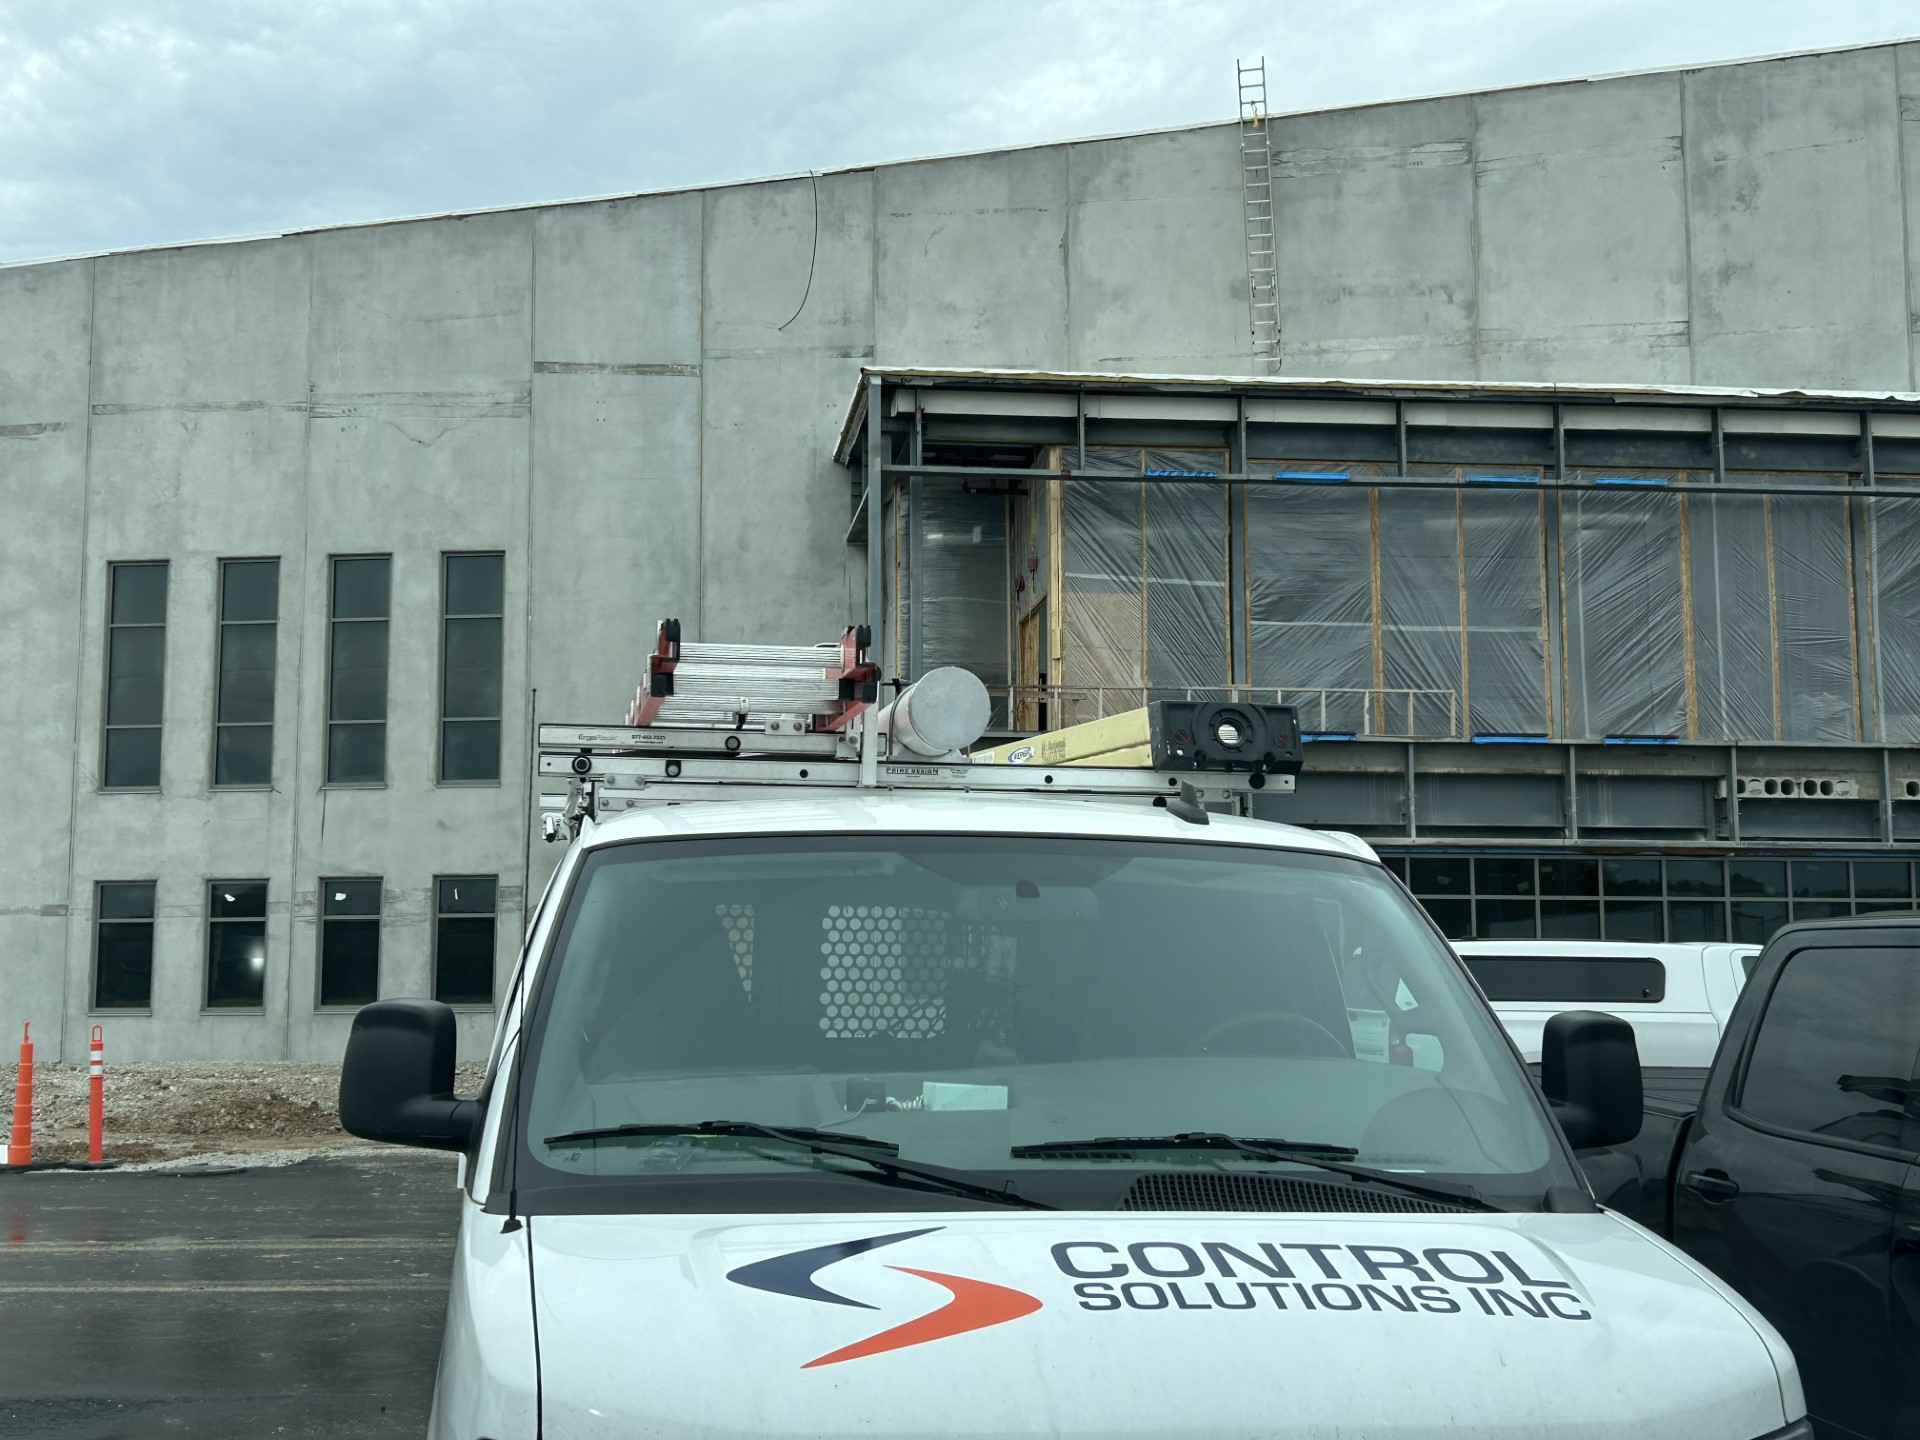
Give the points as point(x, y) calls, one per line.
point(463, 927)
point(243, 708)
point(236, 944)
point(123, 945)
point(357, 671)
point(1645, 898)
point(349, 942)
point(136, 675)
point(472, 603)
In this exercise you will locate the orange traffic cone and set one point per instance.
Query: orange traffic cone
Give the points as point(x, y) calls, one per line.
point(20, 1151)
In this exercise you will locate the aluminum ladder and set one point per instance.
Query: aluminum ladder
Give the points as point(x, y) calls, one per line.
point(1256, 194)
point(792, 687)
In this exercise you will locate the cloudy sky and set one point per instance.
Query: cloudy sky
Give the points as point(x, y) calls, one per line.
point(146, 123)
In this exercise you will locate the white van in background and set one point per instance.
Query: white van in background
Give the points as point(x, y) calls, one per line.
point(1676, 997)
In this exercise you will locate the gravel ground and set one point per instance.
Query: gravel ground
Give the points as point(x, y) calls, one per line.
point(161, 1110)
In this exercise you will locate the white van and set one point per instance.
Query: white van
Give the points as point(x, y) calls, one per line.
point(916, 1116)
point(1676, 997)
point(847, 1092)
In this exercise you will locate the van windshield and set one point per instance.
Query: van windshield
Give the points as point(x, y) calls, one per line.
point(966, 998)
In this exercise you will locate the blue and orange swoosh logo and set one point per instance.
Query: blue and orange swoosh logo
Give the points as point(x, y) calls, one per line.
point(972, 1304)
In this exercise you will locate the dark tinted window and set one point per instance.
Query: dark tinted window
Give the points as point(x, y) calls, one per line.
point(1569, 919)
point(349, 942)
point(236, 944)
point(1756, 920)
point(1631, 877)
point(463, 934)
point(357, 671)
point(1696, 877)
point(1503, 875)
point(1504, 919)
point(1570, 875)
point(1820, 879)
point(1758, 877)
point(1440, 875)
point(1836, 1046)
point(1632, 920)
point(123, 946)
point(1570, 979)
point(470, 667)
point(1882, 879)
point(1696, 920)
point(249, 639)
point(136, 676)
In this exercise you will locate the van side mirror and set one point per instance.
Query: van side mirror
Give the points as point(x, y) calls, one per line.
point(397, 1082)
point(1590, 1071)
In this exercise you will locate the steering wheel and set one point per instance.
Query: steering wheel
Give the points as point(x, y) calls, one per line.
point(1312, 1038)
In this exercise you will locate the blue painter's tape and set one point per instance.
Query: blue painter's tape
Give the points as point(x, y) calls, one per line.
point(1314, 477)
point(1311, 735)
point(1643, 481)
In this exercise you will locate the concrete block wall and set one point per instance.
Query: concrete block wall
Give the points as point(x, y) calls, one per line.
point(636, 400)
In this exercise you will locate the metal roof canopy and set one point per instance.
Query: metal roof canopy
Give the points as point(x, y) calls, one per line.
point(1247, 387)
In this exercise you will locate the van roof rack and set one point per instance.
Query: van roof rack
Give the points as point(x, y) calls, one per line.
point(715, 721)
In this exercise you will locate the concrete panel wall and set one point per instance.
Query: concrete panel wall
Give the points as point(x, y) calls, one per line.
point(198, 453)
point(635, 400)
point(972, 261)
point(1583, 180)
point(43, 464)
point(774, 508)
point(1798, 240)
point(1376, 240)
point(1907, 78)
point(1156, 264)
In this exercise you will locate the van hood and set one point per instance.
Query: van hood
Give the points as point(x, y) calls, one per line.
point(1162, 1326)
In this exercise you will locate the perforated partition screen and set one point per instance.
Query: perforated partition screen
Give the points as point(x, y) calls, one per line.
point(738, 922)
point(883, 971)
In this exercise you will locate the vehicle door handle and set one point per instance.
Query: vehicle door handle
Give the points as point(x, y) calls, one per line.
point(1716, 1184)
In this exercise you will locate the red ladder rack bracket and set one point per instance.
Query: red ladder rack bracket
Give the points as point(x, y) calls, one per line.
point(858, 677)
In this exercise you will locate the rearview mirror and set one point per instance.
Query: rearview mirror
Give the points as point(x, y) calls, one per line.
point(397, 1082)
point(1590, 1071)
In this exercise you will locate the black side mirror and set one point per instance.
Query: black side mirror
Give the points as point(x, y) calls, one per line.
point(397, 1082)
point(1590, 1070)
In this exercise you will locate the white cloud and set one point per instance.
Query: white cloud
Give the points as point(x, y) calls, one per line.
point(167, 120)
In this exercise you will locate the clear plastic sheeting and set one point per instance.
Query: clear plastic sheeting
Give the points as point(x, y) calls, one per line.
point(1733, 650)
point(1420, 602)
point(1625, 616)
point(1186, 582)
point(1146, 577)
point(1482, 606)
point(1308, 559)
point(1506, 671)
point(1813, 582)
point(1895, 530)
point(1102, 623)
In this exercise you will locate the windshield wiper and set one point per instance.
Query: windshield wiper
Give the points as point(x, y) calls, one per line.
point(877, 1153)
point(719, 1127)
point(1321, 1157)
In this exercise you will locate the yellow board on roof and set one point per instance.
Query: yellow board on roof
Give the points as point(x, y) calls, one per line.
point(1115, 740)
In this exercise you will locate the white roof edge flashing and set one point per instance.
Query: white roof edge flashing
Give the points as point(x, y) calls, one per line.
point(1296, 399)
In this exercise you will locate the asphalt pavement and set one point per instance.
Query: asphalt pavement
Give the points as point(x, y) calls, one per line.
point(298, 1300)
